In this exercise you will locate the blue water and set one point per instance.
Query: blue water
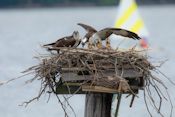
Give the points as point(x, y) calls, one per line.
point(22, 31)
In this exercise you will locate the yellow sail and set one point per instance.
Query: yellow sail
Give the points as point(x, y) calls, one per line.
point(128, 17)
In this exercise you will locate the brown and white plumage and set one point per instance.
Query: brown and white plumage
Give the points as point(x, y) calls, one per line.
point(90, 31)
point(88, 28)
point(94, 36)
point(68, 41)
point(106, 32)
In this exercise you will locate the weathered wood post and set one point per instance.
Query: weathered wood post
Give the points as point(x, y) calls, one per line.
point(98, 105)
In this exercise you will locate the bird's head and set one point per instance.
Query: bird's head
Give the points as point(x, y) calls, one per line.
point(76, 35)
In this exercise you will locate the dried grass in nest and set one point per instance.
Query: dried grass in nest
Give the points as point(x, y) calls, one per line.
point(51, 67)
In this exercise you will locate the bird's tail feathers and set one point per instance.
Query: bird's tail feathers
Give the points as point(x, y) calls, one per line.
point(49, 44)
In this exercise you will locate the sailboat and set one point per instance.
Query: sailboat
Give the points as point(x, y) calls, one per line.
point(128, 17)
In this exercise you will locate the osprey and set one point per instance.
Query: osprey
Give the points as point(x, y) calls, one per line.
point(104, 34)
point(96, 37)
point(68, 41)
point(90, 31)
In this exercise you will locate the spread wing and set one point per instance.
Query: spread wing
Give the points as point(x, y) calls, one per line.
point(125, 33)
point(87, 27)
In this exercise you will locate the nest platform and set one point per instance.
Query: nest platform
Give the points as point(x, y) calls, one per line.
point(79, 71)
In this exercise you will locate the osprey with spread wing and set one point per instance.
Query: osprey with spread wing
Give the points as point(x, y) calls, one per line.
point(95, 37)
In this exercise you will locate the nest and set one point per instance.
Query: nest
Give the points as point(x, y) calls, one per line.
point(104, 68)
point(76, 70)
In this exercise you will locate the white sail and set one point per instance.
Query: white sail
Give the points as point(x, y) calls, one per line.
point(128, 17)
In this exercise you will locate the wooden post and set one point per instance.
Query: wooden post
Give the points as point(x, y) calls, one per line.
point(98, 105)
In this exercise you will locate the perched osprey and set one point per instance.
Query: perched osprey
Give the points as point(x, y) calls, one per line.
point(96, 37)
point(68, 41)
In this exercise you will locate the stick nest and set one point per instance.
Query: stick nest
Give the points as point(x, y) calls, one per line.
point(123, 71)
